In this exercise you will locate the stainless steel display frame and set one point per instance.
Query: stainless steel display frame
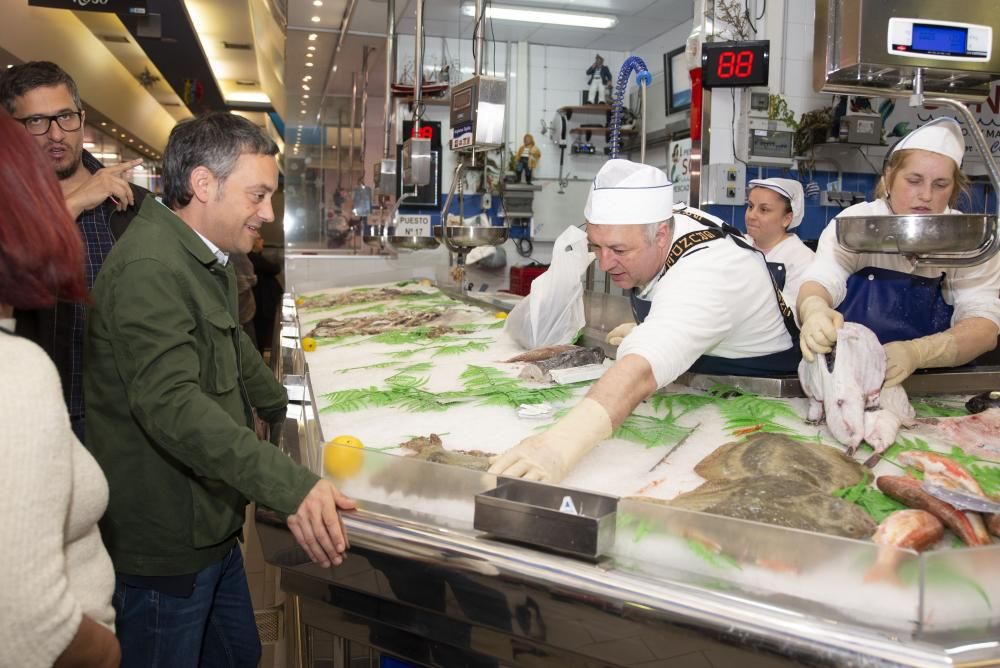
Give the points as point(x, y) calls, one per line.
point(430, 594)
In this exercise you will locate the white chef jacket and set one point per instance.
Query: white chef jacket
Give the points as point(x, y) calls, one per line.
point(796, 257)
point(973, 291)
point(717, 300)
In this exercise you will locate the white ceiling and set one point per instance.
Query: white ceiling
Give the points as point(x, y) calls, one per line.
point(639, 21)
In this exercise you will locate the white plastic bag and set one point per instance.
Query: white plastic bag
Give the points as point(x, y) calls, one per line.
point(552, 313)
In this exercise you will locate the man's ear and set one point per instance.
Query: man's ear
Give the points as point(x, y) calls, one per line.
point(664, 234)
point(203, 183)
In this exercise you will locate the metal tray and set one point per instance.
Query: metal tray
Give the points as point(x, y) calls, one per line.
point(469, 236)
point(529, 512)
point(946, 236)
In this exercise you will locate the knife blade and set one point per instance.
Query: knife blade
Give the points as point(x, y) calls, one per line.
point(961, 499)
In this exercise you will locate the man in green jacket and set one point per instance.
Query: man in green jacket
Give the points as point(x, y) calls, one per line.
point(172, 385)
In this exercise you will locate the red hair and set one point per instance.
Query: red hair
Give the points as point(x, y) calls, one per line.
point(41, 251)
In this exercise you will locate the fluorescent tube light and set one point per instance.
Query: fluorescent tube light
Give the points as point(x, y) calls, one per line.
point(508, 13)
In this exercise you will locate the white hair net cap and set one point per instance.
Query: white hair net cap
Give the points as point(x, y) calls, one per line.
point(942, 135)
point(791, 190)
point(629, 193)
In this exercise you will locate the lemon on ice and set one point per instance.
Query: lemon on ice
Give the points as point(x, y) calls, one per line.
point(308, 344)
point(343, 456)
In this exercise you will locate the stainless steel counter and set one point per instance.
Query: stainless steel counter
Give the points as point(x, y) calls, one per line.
point(421, 584)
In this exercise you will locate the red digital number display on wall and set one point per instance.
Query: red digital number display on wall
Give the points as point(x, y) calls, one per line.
point(735, 64)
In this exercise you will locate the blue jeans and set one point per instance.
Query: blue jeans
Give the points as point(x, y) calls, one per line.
point(213, 627)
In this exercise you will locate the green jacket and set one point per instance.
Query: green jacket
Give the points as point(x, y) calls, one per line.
point(169, 378)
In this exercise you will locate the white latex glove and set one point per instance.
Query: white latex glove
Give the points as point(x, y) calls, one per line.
point(618, 334)
point(902, 358)
point(819, 327)
point(549, 456)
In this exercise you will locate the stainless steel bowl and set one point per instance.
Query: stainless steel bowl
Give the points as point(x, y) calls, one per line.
point(959, 239)
point(470, 236)
point(414, 243)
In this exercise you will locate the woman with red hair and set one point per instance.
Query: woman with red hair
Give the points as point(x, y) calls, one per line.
point(57, 578)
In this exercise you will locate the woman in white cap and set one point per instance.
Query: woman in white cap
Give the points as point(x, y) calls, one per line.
point(924, 316)
point(703, 299)
point(774, 209)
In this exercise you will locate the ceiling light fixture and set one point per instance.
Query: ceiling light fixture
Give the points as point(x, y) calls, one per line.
point(305, 96)
point(305, 87)
point(507, 13)
point(311, 47)
point(310, 55)
point(307, 77)
point(313, 36)
point(318, 3)
point(309, 63)
point(315, 19)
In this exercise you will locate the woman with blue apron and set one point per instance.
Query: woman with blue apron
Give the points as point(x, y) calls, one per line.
point(924, 316)
point(775, 207)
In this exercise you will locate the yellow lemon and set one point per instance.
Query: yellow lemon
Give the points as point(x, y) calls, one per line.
point(308, 344)
point(299, 301)
point(425, 282)
point(342, 457)
point(500, 315)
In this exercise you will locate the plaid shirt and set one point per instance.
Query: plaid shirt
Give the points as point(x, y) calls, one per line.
point(97, 240)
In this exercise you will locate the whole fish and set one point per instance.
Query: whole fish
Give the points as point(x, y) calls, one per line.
point(907, 491)
point(537, 354)
point(881, 428)
point(908, 529)
point(577, 356)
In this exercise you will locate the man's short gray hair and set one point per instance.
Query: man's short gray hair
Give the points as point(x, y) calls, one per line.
point(214, 141)
point(651, 229)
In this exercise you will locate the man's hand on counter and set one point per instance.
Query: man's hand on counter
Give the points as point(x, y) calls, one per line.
point(549, 456)
point(618, 334)
point(317, 527)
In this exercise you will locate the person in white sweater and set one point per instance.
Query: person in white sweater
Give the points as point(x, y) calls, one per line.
point(775, 207)
point(57, 578)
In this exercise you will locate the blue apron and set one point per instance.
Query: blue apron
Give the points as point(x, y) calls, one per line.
point(896, 306)
point(780, 363)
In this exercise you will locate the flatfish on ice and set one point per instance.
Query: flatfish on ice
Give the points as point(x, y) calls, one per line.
point(576, 356)
point(822, 466)
point(977, 434)
point(544, 353)
point(430, 448)
point(781, 501)
point(371, 323)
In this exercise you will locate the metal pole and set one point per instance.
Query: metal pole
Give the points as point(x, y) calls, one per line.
point(390, 75)
point(340, 145)
point(364, 105)
point(418, 68)
point(479, 40)
point(354, 111)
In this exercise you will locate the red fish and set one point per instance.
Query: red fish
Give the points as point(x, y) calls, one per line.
point(908, 529)
point(907, 490)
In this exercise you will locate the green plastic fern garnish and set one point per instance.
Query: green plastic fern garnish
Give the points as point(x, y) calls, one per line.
point(937, 408)
point(651, 431)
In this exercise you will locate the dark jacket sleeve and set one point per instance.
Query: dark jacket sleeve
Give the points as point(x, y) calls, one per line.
point(155, 354)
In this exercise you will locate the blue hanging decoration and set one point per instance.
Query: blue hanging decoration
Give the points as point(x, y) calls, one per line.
point(643, 78)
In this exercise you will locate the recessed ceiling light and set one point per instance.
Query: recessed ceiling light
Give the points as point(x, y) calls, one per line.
point(313, 36)
point(305, 87)
point(318, 3)
point(311, 48)
point(307, 77)
point(104, 123)
point(114, 129)
point(506, 13)
point(315, 19)
point(305, 96)
point(303, 111)
point(310, 55)
point(131, 141)
point(309, 63)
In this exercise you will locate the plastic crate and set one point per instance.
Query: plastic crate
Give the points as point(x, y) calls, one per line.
point(521, 277)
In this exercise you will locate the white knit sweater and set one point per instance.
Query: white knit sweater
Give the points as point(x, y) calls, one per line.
point(53, 565)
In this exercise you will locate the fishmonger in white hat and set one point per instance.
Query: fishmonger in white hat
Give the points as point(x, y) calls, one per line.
point(702, 300)
point(774, 209)
point(925, 316)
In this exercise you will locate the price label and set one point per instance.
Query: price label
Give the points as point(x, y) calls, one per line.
point(414, 225)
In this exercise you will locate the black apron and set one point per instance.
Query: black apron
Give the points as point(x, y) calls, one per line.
point(784, 362)
point(896, 306)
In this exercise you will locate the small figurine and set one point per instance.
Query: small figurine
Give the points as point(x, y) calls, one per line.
point(600, 80)
point(527, 157)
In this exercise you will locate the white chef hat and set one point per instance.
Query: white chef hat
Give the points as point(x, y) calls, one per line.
point(791, 190)
point(942, 135)
point(629, 193)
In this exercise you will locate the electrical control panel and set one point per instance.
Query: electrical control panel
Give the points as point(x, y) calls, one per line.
point(727, 184)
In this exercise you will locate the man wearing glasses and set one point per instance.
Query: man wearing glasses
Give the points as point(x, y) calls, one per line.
point(45, 99)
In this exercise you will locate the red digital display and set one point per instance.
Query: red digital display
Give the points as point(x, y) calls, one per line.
point(735, 64)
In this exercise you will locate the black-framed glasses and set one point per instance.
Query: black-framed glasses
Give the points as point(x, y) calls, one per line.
point(68, 121)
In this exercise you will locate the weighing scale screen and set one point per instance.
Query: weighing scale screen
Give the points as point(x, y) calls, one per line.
point(946, 40)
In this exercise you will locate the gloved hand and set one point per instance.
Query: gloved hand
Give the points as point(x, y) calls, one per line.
point(902, 358)
point(818, 331)
point(618, 334)
point(549, 456)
